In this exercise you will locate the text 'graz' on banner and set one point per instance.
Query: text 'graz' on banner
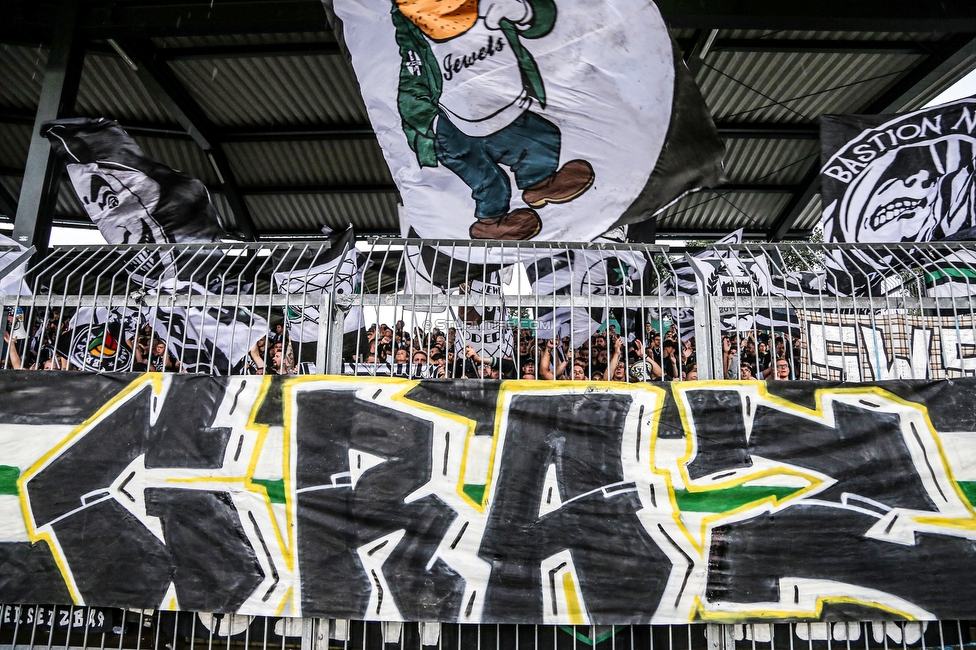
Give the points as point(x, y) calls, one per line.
point(468, 501)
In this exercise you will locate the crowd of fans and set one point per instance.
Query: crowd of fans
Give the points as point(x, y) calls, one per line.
point(605, 356)
point(128, 347)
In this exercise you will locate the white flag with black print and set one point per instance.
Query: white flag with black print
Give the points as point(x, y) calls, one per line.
point(311, 272)
point(896, 179)
point(131, 198)
point(685, 281)
point(204, 339)
point(553, 120)
point(485, 328)
point(12, 283)
point(595, 272)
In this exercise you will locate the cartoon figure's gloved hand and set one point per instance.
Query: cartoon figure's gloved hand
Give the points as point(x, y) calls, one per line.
point(517, 11)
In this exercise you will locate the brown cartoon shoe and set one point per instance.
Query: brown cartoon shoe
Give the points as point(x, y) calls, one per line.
point(517, 225)
point(573, 179)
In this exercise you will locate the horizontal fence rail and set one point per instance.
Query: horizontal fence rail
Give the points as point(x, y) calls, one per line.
point(77, 628)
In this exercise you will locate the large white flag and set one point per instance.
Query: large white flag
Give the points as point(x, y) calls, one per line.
point(522, 119)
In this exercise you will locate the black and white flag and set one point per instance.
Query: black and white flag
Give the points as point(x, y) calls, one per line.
point(900, 179)
point(99, 339)
point(587, 272)
point(485, 328)
point(686, 280)
point(205, 339)
point(131, 198)
point(311, 272)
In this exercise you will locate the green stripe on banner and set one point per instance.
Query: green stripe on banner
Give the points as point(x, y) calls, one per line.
point(729, 499)
point(8, 480)
point(475, 491)
point(932, 276)
point(968, 490)
point(276, 489)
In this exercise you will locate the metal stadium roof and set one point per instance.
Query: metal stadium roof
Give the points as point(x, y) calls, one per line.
point(257, 99)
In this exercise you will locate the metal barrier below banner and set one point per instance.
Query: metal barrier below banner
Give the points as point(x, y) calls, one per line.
point(149, 630)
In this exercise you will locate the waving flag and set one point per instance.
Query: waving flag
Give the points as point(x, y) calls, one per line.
point(896, 179)
point(592, 272)
point(529, 119)
point(204, 339)
point(309, 273)
point(131, 198)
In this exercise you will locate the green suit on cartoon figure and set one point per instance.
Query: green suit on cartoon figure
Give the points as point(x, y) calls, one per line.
point(466, 86)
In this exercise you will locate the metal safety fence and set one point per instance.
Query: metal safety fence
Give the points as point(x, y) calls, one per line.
point(80, 627)
point(520, 310)
point(431, 309)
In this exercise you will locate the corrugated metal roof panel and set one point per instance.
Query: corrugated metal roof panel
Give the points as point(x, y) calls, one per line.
point(14, 145)
point(773, 162)
point(109, 88)
point(810, 217)
point(68, 204)
point(183, 155)
point(23, 72)
point(724, 211)
point(320, 89)
point(795, 86)
point(309, 212)
point(11, 184)
point(308, 162)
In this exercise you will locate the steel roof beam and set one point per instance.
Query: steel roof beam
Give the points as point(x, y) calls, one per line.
point(298, 132)
point(754, 188)
point(266, 190)
point(163, 85)
point(42, 173)
point(924, 81)
point(695, 58)
point(773, 45)
point(107, 18)
point(249, 51)
point(824, 15)
point(122, 20)
point(768, 130)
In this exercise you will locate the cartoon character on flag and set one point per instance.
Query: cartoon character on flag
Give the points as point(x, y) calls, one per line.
point(466, 85)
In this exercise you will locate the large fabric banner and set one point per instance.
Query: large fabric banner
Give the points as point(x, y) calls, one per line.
point(131, 198)
point(897, 179)
point(901, 178)
point(878, 346)
point(585, 107)
point(509, 502)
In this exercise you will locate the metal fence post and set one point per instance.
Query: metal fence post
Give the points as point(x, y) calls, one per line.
point(323, 336)
point(308, 634)
point(720, 637)
point(337, 326)
point(707, 368)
